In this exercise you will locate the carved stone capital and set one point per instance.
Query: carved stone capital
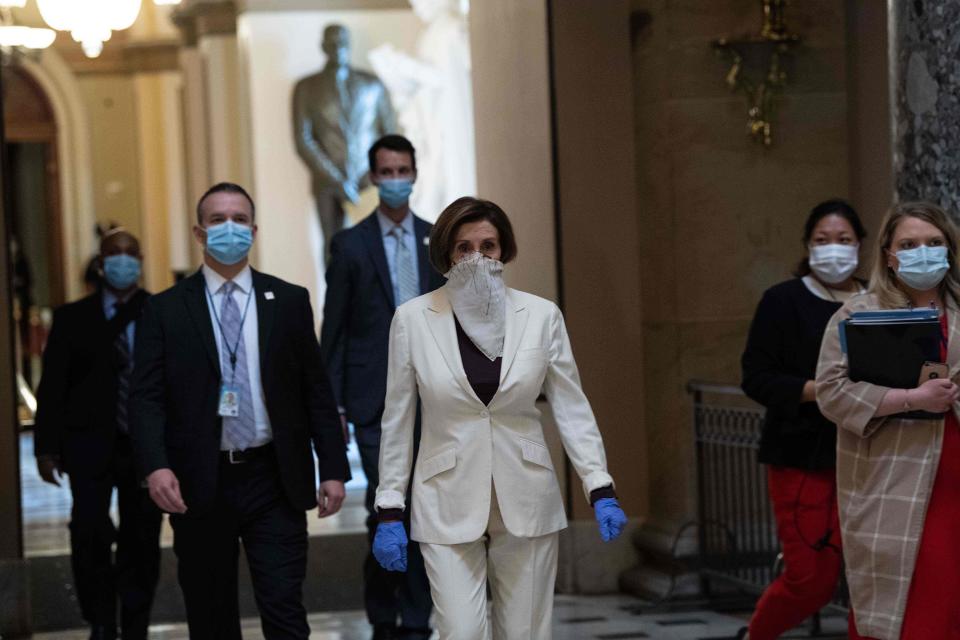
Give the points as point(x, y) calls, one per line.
point(198, 18)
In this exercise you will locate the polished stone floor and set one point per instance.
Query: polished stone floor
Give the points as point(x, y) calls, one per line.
point(46, 513)
point(575, 618)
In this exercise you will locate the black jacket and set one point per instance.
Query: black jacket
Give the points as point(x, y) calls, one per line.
point(357, 315)
point(77, 396)
point(781, 355)
point(176, 381)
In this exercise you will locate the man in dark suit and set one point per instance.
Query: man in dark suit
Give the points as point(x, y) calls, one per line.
point(82, 429)
point(228, 394)
point(375, 266)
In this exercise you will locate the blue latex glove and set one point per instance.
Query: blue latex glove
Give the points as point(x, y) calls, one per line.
point(610, 517)
point(390, 546)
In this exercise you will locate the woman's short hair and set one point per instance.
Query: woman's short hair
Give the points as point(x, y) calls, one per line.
point(884, 281)
point(460, 212)
point(832, 207)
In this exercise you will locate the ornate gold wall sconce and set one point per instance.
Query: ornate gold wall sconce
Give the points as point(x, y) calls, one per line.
point(764, 81)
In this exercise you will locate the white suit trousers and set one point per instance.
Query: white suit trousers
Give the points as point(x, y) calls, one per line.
point(521, 572)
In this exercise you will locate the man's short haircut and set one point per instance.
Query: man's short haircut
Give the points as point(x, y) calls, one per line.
point(393, 142)
point(331, 29)
point(225, 187)
point(443, 236)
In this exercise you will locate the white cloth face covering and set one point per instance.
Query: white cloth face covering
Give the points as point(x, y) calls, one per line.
point(478, 296)
point(834, 263)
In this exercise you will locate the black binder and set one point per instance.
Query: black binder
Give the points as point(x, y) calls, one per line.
point(890, 351)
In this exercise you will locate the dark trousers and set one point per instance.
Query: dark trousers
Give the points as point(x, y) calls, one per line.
point(250, 507)
point(331, 214)
point(388, 594)
point(133, 576)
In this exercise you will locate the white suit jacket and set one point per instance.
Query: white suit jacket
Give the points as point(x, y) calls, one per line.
point(464, 445)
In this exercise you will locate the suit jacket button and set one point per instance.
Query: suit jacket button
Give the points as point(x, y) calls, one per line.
point(485, 414)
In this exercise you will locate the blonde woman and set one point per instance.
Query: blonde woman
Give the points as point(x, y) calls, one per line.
point(899, 479)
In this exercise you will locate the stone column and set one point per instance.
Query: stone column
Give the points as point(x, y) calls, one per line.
point(14, 583)
point(211, 68)
point(924, 47)
point(214, 127)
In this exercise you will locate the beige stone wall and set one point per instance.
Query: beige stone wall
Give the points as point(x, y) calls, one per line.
point(720, 216)
point(111, 106)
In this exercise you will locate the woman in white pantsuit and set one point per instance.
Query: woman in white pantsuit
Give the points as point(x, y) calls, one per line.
point(486, 504)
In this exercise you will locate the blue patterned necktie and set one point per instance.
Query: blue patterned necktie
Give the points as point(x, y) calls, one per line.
point(407, 285)
point(240, 431)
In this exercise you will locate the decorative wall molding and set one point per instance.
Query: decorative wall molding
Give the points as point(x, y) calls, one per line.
point(134, 57)
point(244, 6)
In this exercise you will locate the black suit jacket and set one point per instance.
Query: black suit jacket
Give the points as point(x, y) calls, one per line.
point(176, 383)
point(77, 396)
point(357, 314)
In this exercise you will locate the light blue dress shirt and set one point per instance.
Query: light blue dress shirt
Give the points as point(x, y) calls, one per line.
point(110, 309)
point(390, 246)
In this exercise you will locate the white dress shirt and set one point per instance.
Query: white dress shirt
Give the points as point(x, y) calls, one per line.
point(251, 342)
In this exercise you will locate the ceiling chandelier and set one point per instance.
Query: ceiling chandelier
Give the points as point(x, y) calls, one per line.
point(90, 22)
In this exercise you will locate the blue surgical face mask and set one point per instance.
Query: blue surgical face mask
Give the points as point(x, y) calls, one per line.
point(922, 268)
point(229, 242)
point(121, 271)
point(395, 193)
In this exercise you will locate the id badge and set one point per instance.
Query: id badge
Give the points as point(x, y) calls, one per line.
point(229, 401)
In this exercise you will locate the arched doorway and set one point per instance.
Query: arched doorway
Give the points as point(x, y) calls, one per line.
point(35, 215)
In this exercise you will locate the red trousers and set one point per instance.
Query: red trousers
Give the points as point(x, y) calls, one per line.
point(933, 603)
point(805, 506)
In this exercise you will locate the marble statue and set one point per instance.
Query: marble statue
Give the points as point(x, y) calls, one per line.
point(433, 96)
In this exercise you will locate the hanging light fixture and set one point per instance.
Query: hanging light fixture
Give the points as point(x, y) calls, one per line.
point(15, 38)
point(26, 37)
point(90, 22)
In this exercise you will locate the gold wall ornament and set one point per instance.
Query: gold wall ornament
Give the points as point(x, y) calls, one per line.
point(763, 83)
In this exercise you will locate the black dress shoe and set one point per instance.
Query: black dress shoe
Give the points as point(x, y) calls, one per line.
point(99, 632)
point(407, 633)
point(385, 632)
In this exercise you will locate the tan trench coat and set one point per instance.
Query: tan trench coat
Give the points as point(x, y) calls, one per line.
point(885, 473)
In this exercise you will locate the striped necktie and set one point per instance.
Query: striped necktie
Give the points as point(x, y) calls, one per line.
point(124, 368)
point(240, 431)
point(407, 285)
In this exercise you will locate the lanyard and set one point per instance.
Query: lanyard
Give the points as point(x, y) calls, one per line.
point(236, 345)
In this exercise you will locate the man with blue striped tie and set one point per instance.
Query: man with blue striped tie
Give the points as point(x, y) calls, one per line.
point(229, 396)
point(375, 267)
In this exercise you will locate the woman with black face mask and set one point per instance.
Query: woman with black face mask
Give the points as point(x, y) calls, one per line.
point(798, 442)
